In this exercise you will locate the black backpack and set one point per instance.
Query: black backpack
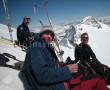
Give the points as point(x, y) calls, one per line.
point(3, 60)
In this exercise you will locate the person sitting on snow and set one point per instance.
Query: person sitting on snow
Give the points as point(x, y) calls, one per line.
point(85, 54)
point(41, 70)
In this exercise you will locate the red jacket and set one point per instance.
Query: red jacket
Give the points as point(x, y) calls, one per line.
point(86, 83)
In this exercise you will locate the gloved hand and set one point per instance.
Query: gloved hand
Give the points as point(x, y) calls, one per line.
point(69, 61)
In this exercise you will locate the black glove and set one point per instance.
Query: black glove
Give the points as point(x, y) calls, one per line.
point(69, 61)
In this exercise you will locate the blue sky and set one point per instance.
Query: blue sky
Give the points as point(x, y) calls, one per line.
point(60, 11)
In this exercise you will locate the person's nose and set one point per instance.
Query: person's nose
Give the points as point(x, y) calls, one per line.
point(49, 37)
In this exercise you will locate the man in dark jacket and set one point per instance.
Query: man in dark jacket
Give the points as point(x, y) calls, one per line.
point(41, 70)
point(83, 51)
point(85, 55)
point(23, 33)
point(81, 81)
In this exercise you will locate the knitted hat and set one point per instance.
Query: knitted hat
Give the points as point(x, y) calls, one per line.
point(47, 31)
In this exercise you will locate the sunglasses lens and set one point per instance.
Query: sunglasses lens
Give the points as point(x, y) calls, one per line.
point(84, 37)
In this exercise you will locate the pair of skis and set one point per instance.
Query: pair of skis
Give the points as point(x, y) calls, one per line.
point(7, 18)
point(56, 43)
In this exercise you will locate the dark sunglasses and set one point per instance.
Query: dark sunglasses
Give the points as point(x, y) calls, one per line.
point(84, 37)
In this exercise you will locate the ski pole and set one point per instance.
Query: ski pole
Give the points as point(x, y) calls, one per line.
point(55, 39)
point(88, 65)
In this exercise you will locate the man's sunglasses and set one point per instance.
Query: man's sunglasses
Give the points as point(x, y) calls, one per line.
point(84, 37)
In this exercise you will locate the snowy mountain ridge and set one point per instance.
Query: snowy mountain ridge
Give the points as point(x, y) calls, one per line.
point(105, 20)
point(90, 20)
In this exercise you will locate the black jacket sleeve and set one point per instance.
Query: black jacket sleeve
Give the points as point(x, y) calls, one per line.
point(92, 54)
point(77, 57)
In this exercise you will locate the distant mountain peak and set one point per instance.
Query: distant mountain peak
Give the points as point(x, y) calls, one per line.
point(105, 20)
point(90, 20)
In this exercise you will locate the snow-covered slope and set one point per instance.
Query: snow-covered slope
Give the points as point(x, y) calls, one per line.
point(4, 33)
point(9, 79)
point(7, 47)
